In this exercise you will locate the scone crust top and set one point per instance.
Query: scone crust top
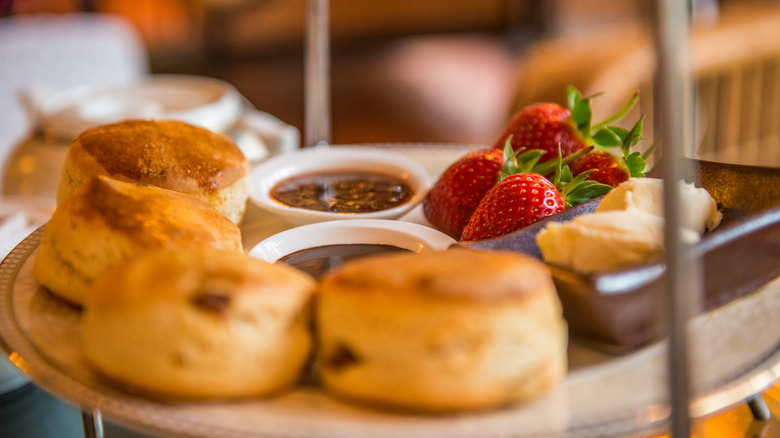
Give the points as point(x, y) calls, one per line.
point(205, 277)
point(166, 153)
point(454, 274)
point(151, 216)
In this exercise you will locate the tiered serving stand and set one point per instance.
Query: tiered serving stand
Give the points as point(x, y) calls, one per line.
point(708, 362)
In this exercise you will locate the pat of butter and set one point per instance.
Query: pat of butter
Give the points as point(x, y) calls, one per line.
point(605, 241)
point(699, 212)
point(626, 229)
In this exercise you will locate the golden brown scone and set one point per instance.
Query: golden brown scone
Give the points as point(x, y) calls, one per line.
point(106, 221)
point(169, 154)
point(199, 324)
point(441, 332)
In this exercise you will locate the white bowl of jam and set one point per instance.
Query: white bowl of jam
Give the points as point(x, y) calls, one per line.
point(338, 182)
point(318, 247)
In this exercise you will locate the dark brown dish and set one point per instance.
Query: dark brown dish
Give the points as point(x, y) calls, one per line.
point(620, 310)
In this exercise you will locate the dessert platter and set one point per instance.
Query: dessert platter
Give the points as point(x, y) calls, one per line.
point(618, 391)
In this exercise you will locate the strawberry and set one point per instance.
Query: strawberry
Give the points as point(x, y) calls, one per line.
point(607, 168)
point(545, 126)
point(611, 169)
point(522, 199)
point(453, 198)
point(515, 202)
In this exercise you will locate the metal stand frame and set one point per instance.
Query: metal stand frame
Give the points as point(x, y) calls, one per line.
point(93, 424)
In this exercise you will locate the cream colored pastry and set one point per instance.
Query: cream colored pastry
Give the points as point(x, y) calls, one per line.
point(106, 221)
point(199, 324)
point(699, 212)
point(605, 241)
point(166, 153)
point(440, 332)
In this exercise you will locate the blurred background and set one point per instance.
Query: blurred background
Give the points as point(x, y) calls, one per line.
point(409, 70)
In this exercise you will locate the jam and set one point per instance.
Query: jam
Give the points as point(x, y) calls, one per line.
point(342, 192)
point(319, 260)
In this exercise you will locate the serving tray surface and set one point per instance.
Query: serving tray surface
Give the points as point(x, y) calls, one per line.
point(40, 334)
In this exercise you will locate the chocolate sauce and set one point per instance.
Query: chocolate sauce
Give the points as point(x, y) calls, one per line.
point(342, 192)
point(319, 260)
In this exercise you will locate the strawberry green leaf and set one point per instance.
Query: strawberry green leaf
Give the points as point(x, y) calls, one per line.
point(607, 138)
point(581, 115)
point(586, 191)
point(573, 96)
point(632, 138)
point(571, 184)
point(566, 176)
point(510, 164)
point(519, 161)
point(622, 133)
point(580, 189)
point(636, 132)
point(636, 164)
point(548, 167)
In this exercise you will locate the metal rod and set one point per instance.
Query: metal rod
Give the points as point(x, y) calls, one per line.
point(672, 37)
point(93, 424)
point(317, 74)
point(759, 408)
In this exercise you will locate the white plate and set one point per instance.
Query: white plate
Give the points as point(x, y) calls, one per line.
point(405, 235)
point(335, 158)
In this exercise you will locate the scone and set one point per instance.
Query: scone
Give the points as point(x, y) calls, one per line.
point(199, 324)
point(106, 221)
point(440, 332)
point(169, 154)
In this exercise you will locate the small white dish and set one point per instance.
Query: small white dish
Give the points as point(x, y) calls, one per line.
point(405, 235)
point(266, 175)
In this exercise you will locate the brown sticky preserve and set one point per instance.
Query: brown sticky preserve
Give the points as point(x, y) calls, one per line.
point(320, 259)
point(342, 192)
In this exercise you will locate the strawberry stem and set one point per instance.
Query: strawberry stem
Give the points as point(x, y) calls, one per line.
point(619, 115)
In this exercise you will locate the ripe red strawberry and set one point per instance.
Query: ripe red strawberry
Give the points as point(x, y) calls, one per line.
point(515, 202)
point(522, 199)
point(545, 126)
point(611, 169)
point(453, 198)
point(608, 168)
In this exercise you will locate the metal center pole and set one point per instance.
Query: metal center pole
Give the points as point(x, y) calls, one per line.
point(317, 74)
point(682, 276)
